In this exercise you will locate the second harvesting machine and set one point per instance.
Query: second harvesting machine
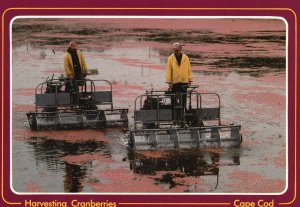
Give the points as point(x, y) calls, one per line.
point(162, 121)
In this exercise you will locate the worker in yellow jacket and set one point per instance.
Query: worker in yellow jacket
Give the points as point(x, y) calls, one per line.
point(75, 66)
point(74, 63)
point(179, 73)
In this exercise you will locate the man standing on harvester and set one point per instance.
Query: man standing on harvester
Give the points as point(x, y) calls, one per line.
point(74, 64)
point(179, 73)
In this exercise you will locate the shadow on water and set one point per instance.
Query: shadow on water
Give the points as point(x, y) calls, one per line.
point(183, 164)
point(50, 151)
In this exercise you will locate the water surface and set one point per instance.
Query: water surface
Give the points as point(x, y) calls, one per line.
point(243, 60)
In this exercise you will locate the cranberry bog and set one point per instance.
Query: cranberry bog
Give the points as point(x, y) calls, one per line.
point(243, 60)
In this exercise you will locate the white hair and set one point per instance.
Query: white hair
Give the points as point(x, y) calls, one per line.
point(71, 43)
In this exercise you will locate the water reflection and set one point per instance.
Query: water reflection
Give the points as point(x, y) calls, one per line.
point(172, 165)
point(50, 151)
point(72, 179)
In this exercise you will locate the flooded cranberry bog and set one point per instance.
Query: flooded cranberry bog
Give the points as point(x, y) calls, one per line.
point(243, 60)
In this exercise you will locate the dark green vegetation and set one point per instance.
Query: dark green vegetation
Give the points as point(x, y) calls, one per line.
point(254, 58)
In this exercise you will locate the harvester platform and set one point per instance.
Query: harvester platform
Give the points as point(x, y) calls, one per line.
point(65, 104)
point(161, 121)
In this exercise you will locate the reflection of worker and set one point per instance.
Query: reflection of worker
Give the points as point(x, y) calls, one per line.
point(179, 73)
point(74, 63)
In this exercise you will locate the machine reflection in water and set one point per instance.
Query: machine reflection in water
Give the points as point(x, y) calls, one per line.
point(169, 169)
point(173, 166)
point(51, 151)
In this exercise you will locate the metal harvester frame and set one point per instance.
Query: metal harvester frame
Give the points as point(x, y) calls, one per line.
point(65, 104)
point(161, 121)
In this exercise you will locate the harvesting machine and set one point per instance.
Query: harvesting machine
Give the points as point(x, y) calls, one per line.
point(163, 121)
point(61, 103)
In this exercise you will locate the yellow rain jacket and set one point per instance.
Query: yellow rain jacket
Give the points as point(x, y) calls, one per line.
point(68, 64)
point(176, 73)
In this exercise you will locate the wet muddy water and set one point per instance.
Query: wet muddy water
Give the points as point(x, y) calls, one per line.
point(243, 60)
